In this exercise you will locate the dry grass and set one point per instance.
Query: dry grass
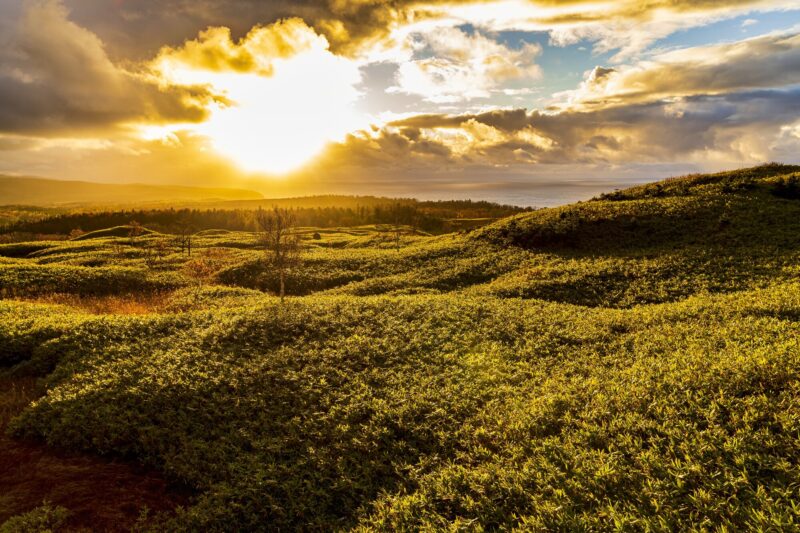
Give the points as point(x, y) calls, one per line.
point(14, 396)
point(123, 304)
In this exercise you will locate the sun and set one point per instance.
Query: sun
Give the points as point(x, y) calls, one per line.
point(277, 123)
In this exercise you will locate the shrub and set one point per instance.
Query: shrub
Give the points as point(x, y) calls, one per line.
point(42, 519)
point(787, 187)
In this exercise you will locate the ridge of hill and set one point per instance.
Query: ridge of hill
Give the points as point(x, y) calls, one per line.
point(15, 190)
point(724, 208)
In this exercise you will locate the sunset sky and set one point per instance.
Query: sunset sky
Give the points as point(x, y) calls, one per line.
point(523, 101)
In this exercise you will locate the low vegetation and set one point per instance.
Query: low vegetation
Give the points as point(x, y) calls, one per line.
point(627, 363)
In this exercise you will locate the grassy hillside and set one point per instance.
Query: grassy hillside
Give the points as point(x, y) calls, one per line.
point(627, 363)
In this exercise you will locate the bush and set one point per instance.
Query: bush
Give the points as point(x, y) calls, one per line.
point(787, 187)
point(35, 279)
point(426, 412)
point(43, 519)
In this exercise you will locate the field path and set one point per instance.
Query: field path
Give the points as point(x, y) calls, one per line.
point(101, 494)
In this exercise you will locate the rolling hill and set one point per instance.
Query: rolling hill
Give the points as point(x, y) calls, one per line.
point(627, 363)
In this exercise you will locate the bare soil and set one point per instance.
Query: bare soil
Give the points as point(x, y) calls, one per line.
point(101, 494)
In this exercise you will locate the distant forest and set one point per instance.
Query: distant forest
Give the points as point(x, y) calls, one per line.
point(432, 216)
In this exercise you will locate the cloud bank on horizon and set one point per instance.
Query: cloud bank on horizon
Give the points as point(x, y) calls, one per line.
point(530, 101)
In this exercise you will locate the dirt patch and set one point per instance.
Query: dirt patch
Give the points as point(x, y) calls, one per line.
point(100, 494)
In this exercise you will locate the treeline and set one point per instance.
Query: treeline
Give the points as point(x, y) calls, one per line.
point(432, 217)
point(15, 214)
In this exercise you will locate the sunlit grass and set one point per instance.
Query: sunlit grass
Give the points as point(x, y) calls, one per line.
point(627, 363)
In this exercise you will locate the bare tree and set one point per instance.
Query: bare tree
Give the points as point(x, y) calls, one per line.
point(155, 251)
point(416, 220)
point(281, 243)
point(184, 232)
point(397, 213)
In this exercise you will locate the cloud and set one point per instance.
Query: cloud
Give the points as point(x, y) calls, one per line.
point(762, 62)
point(55, 77)
point(256, 99)
point(286, 95)
point(628, 27)
point(186, 159)
point(75, 86)
point(459, 66)
point(138, 28)
point(214, 50)
point(728, 130)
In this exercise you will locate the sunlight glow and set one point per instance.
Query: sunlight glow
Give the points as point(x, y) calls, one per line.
point(278, 123)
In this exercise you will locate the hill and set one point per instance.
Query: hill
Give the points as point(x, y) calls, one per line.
point(627, 363)
point(48, 192)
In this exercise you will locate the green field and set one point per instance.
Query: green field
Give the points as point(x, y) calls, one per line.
point(627, 363)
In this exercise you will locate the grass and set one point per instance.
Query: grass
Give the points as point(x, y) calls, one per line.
point(419, 412)
point(629, 363)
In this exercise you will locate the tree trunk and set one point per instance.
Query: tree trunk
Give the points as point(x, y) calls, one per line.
point(283, 285)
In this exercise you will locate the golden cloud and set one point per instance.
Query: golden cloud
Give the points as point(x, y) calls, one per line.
point(286, 94)
point(627, 26)
point(214, 50)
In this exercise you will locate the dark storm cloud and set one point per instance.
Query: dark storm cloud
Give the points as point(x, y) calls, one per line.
point(139, 28)
point(55, 77)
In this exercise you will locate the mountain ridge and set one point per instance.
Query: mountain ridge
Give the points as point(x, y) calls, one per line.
point(34, 190)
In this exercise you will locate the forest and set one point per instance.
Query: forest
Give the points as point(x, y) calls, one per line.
point(27, 222)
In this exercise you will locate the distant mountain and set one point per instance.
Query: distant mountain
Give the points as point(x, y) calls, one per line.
point(49, 192)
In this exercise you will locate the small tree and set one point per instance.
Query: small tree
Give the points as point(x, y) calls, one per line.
point(155, 251)
point(399, 214)
point(184, 233)
point(136, 230)
point(281, 244)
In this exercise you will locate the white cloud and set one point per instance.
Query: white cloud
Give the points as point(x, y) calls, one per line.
point(459, 66)
point(762, 62)
point(628, 27)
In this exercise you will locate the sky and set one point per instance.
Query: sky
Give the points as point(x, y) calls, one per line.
point(530, 102)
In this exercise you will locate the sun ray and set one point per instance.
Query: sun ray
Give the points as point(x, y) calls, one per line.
point(276, 122)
